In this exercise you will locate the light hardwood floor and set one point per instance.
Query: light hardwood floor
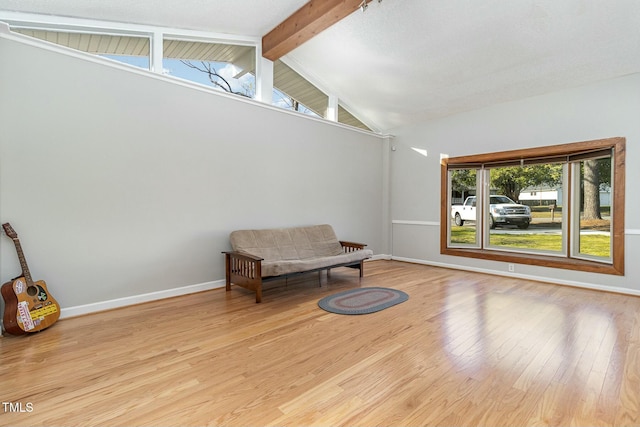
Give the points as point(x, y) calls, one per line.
point(465, 349)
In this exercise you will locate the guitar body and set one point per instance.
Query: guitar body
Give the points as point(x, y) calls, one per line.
point(28, 308)
point(28, 305)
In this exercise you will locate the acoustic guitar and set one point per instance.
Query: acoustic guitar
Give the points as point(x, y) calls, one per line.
point(28, 305)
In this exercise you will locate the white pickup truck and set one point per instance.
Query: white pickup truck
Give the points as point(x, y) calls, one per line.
point(502, 210)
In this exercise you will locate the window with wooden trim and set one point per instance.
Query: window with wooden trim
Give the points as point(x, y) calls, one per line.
point(559, 206)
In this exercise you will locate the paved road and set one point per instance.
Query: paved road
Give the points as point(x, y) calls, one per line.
point(540, 228)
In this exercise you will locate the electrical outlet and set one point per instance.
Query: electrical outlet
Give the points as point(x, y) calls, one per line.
point(512, 267)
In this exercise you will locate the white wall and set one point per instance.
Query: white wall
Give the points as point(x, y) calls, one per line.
point(602, 110)
point(121, 183)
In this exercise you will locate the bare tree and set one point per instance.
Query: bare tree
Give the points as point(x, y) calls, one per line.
point(219, 81)
point(214, 76)
point(292, 103)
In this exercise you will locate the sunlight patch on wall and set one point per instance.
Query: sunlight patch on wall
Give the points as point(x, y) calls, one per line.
point(420, 151)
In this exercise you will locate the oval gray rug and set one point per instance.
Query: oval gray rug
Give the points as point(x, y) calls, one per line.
point(362, 300)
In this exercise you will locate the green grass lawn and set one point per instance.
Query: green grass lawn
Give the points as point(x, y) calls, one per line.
point(543, 242)
point(596, 245)
point(543, 212)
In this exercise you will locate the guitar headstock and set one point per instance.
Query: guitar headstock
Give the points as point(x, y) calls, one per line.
point(9, 230)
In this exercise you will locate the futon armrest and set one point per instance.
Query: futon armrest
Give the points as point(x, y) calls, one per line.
point(242, 255)
point(245, 270)
point(351, 246)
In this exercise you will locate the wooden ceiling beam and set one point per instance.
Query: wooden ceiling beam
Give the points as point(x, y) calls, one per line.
point(304, 24)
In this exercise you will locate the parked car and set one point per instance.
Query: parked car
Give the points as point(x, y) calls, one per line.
point(502, 211)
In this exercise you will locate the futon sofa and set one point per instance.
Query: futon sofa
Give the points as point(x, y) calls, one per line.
point(262, 255)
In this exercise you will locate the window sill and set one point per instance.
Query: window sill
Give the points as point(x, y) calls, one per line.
point(539, 260)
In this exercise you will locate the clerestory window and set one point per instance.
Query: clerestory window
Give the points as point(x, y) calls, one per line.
point(559, 206)
point(223, 66)
point(226, 65)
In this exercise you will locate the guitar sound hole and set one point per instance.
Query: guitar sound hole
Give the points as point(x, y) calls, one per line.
point(32, 290)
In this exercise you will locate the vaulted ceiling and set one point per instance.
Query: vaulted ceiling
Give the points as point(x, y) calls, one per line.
point(406, 61)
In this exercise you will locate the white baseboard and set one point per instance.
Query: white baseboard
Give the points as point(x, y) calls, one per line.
point(379, 256)
point(80, 310)
point(614, 289)
point(168, 293)
point(137, 299)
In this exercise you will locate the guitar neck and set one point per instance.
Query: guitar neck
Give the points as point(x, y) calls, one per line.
point(23, 262)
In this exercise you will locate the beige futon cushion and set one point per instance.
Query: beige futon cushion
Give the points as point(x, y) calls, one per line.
point(291, 250)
